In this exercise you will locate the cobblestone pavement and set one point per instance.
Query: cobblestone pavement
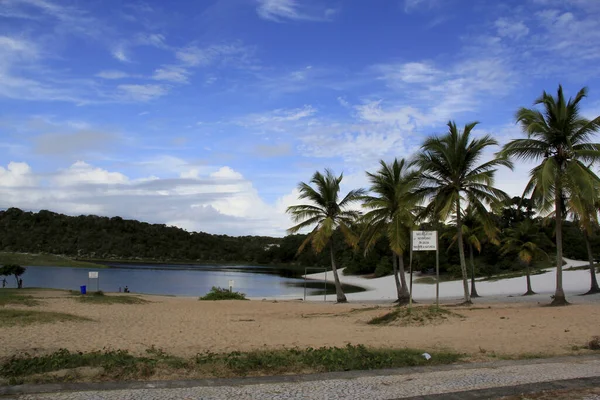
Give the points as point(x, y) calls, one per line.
point(393, 386)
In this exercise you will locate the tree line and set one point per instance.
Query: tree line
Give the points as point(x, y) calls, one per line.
point(447, 182)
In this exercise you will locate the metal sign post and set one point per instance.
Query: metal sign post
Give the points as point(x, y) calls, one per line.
point(325, 284)
point(94, 275)
point(426, 241)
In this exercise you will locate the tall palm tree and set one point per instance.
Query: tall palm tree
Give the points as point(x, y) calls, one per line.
point(584, 208)
point(451, 174)
point(476, 229)
point(391, 215)
point(326, 213)
point(559, 137)
point(524, 239)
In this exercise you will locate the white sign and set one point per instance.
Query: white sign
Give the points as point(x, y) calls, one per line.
point(93, 275)
point(231, 283)
point(424, 240)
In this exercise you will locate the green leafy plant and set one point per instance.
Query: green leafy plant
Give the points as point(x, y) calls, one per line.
point(217, 293)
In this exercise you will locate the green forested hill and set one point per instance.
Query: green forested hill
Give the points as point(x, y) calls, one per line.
point(93, 237)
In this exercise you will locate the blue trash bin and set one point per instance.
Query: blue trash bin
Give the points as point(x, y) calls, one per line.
point(83, 289)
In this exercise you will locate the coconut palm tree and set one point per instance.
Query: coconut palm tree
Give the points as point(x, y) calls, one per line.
point(560, 139)
point(476, 228)
point(326, 213)
point(391, 214)
point(451, 174)
point(524, 239)
point(584, 207)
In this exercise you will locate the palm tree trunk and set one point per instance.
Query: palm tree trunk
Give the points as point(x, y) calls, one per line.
point(395, 269)
point(341, 297)
point(404, 297)
point(461, 252)
point(473, 288)
point(528, 275)
point(559, 295)
point(594, 282)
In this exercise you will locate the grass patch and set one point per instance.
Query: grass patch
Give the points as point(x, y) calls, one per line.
point(44, 260)
point(404, 316)
point(101, 298)
point(119, 364)
point(217, 293)
point(10, 317)
point(15, 297)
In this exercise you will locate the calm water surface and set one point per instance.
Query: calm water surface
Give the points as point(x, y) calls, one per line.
point(178, 280)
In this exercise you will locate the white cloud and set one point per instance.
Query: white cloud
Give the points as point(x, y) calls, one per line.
point(232, 53)
point(142, 92)
point(171, 73)
point(281, 10)
point(112, 74)
point(83, 173)
point(419, 5)
point(411, 72)
point(120, 54)
point(16, 175)
point(11, 46)
point(216, 201)
point(271, 119)
point(511, 29)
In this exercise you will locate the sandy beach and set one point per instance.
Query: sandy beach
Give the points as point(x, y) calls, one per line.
point(186, 326)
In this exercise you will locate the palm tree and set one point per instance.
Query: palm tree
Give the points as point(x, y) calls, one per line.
point(391, 215)
point(450, 174)
point(476, 229)
point(559, 137)
point(524, 239)
point(326, 213)
point(584, 209)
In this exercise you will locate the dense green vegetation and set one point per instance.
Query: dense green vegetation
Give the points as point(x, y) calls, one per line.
point(102, 238)
point(217, 293)
point(119, 364)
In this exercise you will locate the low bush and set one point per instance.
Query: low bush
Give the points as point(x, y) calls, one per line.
point(413, 316)
point(120, 364)
point(217, 293)
point(594, 344)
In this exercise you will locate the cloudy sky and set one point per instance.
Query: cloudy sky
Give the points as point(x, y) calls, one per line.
point(205, 114)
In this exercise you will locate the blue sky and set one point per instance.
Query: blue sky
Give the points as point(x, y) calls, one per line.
point(206, 114)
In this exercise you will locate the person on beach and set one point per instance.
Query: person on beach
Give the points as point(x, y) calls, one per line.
point(3, 283)
point(126, 290)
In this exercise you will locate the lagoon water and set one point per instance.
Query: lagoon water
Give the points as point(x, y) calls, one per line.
point(178, 280)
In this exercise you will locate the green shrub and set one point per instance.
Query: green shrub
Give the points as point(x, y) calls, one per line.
point(119, 364)
point(384, 267)
point(217, 293)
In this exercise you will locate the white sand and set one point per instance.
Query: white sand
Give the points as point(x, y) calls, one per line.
point(384, 288)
